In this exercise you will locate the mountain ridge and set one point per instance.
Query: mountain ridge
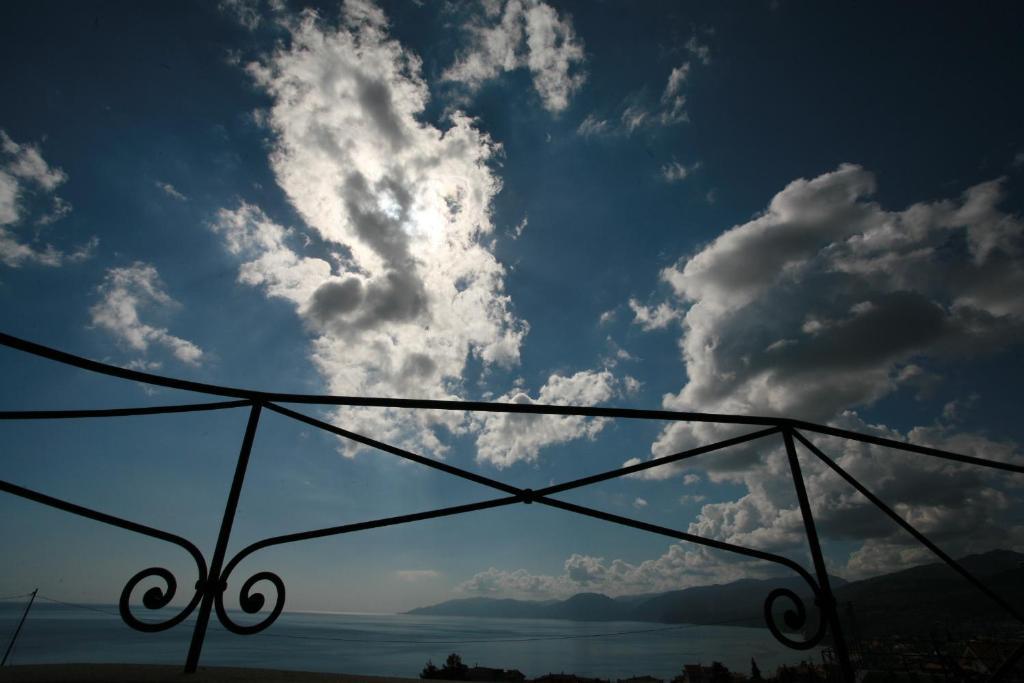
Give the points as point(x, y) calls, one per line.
point(905, 599)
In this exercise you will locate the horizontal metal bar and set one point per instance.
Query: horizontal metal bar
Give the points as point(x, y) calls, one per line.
point(478, 406)
point(122, 373)
point(363, 526)
point(909, 528)
point(419, 404)
point(904, 446)
point(524, 409)
point(119, 412)
point(98, 516)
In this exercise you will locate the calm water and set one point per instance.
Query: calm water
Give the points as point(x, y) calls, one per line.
point(387, 644)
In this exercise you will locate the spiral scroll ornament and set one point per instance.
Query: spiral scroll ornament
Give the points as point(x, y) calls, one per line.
point(251, 603)
point(156, 598)
point(795, 619)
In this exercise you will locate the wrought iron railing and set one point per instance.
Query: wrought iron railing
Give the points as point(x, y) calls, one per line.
point(212, 584)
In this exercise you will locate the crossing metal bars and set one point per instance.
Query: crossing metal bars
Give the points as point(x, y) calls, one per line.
point(212, 584)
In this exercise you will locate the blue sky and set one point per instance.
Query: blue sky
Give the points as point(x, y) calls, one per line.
point(766, 208)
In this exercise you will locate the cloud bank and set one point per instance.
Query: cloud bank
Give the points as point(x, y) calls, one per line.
point(409, 290)
point(823, 303)
point(827, 302)
point(679, 567)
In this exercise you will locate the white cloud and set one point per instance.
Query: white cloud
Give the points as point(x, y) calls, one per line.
point(674, 171)
point(27, 189)
point(59, 208)
point(249, 13)
point(653, 318)
point(517, 232)
point(954, 410)
point(526, 34)
point(507, 438)
point(26, 162)
point(672, 99)
point(411, 290)
point(679, 567)
point(514, 584)
point(606, 317)
point(171, 191)
point(633, 117)
point(9, 188)
point(640, 503)
point(592, 126)
point(639, 113)
point(268, 261)
point(124, 293)
point(826, 302)
point(699, 50)
point(676, 78)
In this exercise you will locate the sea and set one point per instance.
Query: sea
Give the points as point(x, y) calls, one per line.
point(395, 644)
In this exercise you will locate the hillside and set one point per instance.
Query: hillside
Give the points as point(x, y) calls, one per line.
point(908, 601)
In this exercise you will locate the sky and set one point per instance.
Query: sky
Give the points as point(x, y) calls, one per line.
point(770, 208)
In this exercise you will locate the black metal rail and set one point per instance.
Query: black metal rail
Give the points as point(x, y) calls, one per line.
point(212, 582)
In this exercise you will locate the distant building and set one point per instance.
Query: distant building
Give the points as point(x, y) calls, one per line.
point(641, 679)
point(698, 673)
point(566, 678)
point(985, 656)
point(455, 670)
point(484, 673)
point(804, 672)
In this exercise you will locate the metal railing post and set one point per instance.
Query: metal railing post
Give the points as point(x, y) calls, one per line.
point(21, 623)
point(811, 531)
point(214, 584)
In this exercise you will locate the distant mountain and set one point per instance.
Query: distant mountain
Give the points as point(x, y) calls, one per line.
point(740, 601)
point(504, 609)
point(910, 600)
point(934, 597)
point(580, 607)
point(587, 607)
point(487, 607)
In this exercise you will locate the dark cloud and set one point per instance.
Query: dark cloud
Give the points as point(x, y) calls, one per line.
point(378, 214)
point(335, 298)
point(375, 97)
point(396, 297)
point(418, 365)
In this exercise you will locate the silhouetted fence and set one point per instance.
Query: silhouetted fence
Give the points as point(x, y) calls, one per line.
point(208, 595)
